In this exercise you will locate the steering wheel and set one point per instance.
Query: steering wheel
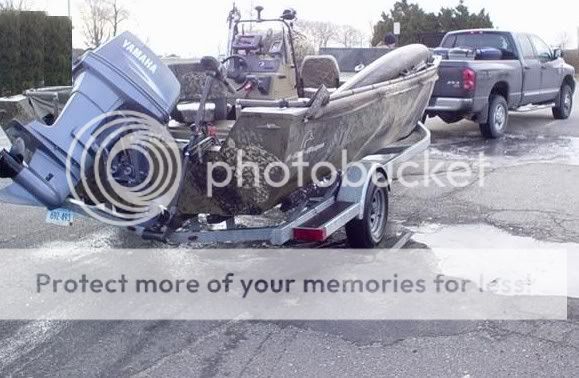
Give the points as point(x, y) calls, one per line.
point(240, 70)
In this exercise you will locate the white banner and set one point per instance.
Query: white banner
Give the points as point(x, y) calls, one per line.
point(283, 284)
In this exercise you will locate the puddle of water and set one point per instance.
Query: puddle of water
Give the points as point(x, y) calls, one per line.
point(446, 240)
point(512, 150)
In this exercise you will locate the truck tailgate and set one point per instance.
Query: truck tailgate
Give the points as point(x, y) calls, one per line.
point(450, 82)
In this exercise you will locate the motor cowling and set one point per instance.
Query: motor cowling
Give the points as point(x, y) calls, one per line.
point(121, 75)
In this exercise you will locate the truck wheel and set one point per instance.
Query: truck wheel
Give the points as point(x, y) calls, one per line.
point(566, 103)
point(370, 231)
point(498, 118)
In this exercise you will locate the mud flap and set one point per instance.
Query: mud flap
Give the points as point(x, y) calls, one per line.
point(483, 116)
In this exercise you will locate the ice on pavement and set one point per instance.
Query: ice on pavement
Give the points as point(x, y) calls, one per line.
point(4, 142)
point(511, 150)
point(442, 238)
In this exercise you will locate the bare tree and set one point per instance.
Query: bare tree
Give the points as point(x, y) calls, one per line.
point(251, 14)
point(18, 5)
point(118, 14)
point(349, 36)
point(303, 47)
point(320, 33)
point(564, 40)
point(96, 17)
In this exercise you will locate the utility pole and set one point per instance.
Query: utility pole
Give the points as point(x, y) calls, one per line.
point(71, 32)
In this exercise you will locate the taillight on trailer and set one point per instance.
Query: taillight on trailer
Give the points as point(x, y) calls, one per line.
point(468, 79)
point(310, 234)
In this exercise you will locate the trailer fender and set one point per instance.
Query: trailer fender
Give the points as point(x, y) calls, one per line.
point(356, 181)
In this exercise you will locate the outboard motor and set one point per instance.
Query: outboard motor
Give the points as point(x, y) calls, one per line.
point(122, 75)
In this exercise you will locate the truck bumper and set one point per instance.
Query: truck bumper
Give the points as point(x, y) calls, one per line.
point(448, 104)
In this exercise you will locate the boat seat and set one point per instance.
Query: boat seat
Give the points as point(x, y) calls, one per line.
point(319, 70)
point(192, 76)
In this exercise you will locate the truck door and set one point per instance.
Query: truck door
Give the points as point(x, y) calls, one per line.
point(550, 76)
point(532, 68)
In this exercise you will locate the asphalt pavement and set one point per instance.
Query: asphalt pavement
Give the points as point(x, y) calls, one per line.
point(529, 198)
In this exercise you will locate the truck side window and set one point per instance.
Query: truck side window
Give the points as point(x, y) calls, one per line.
point(543, 50)
point(449, 42)
point(526, 47)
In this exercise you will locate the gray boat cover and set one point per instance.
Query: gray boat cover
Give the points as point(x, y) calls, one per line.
point(388, 67)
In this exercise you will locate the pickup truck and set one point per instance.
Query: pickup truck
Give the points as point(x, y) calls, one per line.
point(487, 73)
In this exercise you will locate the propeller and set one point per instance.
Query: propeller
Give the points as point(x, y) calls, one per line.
point(18, 150)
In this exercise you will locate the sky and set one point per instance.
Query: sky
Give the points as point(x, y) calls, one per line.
point(193, 28)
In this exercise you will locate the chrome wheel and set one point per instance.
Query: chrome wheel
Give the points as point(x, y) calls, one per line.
point(369, 230)
point(567, 102)
point(563, 109)
point(500, 117)
point(377, 216)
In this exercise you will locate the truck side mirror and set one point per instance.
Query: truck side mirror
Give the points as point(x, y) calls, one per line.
point(558, 53)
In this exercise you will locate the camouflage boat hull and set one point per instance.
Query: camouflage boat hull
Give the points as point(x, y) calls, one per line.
point(353, 125)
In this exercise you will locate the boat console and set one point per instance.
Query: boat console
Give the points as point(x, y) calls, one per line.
point(261, 66)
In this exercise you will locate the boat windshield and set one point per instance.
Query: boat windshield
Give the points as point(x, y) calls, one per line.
point(261, 38)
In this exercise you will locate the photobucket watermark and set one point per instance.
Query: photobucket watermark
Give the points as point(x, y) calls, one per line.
point(132, 170)
point(425, 172)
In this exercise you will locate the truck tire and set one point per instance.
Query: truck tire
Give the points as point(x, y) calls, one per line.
point(370, 231)
point(563, 111)
point(498, 118)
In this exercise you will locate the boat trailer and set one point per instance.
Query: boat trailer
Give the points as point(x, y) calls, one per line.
point(321, 217)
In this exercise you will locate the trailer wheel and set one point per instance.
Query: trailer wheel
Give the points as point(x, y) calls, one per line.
point(498, 119)
point(370, 231)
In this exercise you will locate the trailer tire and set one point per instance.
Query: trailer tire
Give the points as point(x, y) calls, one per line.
point(370, 231)
point(498, 119)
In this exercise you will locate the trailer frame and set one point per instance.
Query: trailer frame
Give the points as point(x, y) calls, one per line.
point(321, 217)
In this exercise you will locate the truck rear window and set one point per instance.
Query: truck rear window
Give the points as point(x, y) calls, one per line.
point(481, 41)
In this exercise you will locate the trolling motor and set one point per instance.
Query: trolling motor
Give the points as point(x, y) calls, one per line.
point(201, 138)
point(122, 75)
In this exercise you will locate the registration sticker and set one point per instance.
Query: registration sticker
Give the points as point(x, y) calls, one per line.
point(60, 217)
